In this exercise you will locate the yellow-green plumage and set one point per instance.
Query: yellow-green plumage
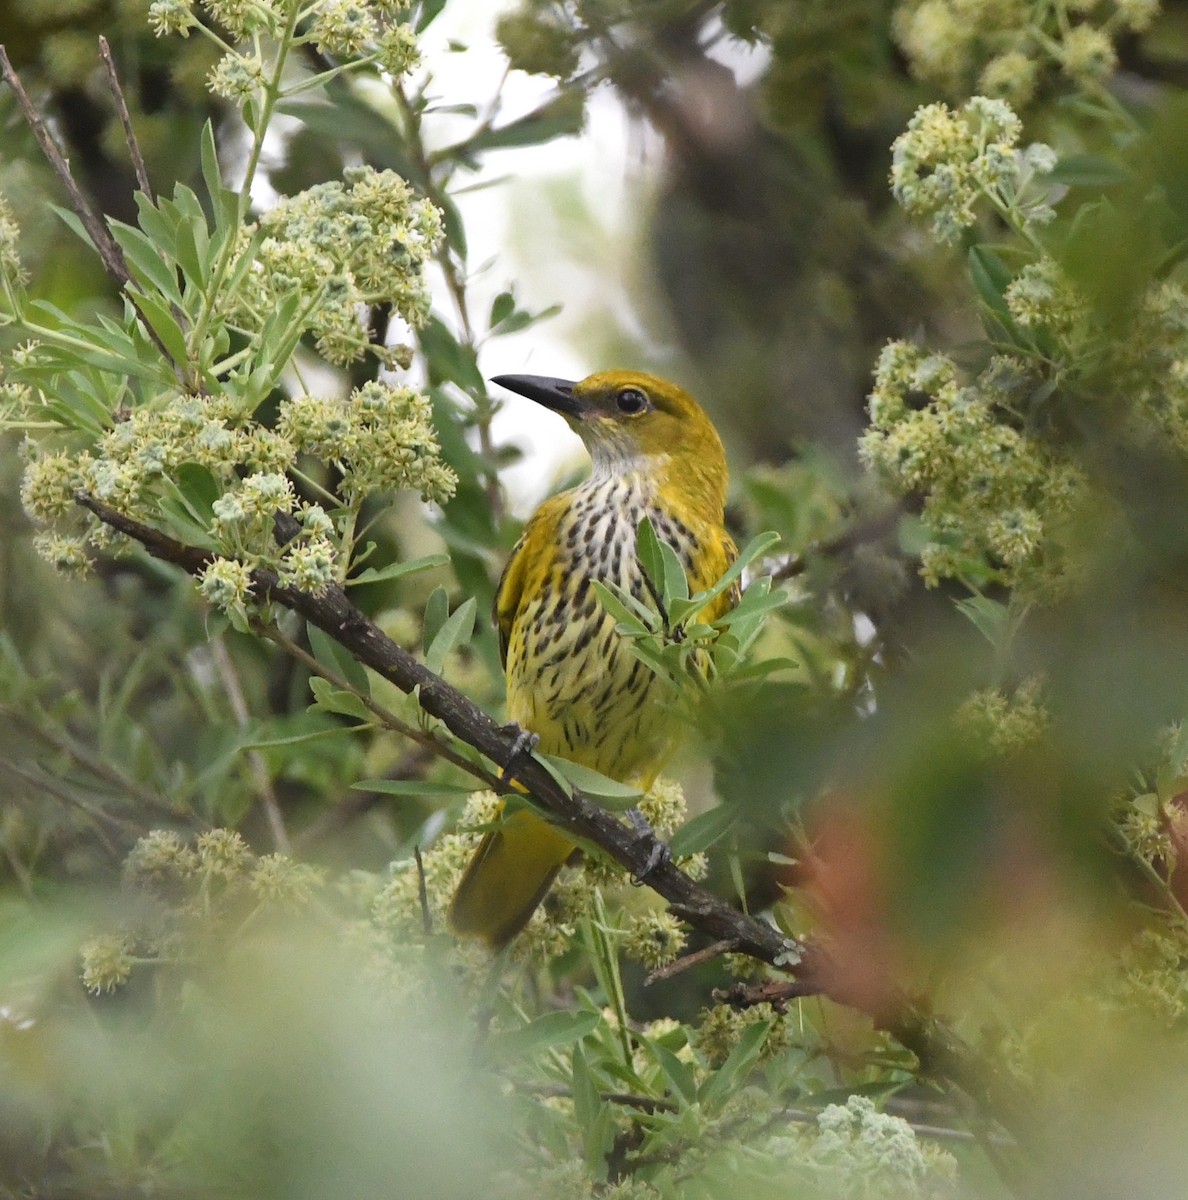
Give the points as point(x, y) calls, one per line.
point(570, 678)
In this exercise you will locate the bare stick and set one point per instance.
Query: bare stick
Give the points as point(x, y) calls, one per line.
point(423, 892)
point(113, 81)
point(259, 765)
point(109, 251)
point(722, 946)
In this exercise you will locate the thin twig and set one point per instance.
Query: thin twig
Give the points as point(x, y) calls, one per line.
point(722, 946)
point(94, 764)
point(355, 803)
point(423, 893)
point(423, 737)
point(53, 788)
point(256, 760)
point(109, 251)
point(113, 82)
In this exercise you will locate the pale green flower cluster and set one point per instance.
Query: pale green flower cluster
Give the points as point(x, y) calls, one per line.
point(652, 936)
point(992, 492)
point(380, 439)
point(1003, 47)
point(865, 1154)
point(1003, 724)
point(342, 247)
point(946, 161)
point(198, 888)
point(368, 31)
point(11, 268)
point(721, 1026)
point(1150, 364)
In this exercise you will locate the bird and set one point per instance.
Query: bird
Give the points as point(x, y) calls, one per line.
point(573, 684)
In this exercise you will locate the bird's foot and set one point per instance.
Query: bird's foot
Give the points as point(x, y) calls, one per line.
point(526, 741)
point(659, 854)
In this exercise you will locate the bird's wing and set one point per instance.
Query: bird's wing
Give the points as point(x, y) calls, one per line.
point(528, 556)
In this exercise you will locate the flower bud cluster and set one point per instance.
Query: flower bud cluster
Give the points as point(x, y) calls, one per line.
point(991, 491)
point(350, 245)
point(195, 889)
point(380, 439)
point(1004, 724)
point(946, 161)
point(1003, 47)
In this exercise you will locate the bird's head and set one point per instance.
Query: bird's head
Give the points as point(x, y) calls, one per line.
point(630, 421)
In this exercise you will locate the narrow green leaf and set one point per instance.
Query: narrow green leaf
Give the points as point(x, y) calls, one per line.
point(332, 699)
point(1088, 170)
point(616, 602)
point(399, 570)
point(339, 660)
point(722, 1084)
point(144, 258)
point(437, 609)
point(455, 631)
point(412, 787)
point(702, 831)
point(681, 1081)
point(647, 551)
point(676, 585)
point(71, 221)
point(592, 783)
point(163, 323)
point(553, 1029)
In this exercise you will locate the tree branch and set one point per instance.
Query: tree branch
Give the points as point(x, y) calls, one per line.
point(942, 1054)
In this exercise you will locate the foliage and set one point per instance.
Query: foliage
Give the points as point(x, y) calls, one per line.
point(952, 679)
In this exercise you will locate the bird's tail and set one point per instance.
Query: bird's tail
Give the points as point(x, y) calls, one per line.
point(507, 878)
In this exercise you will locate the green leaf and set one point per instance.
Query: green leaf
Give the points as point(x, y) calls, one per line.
point(754, 549)
point(719, 1087)
point(1088, 170)
point(991, 618)
point(298, 739)
point(676, 584)
point(454, 632)
point(502, 307)
point(553, 1029)
point(163, 323)
point(71, 221)
point(633, 617)
point(412, 787)
point(681, 1081)
point(144, 258)
point(594, 1118)
point(427, 13)
point(991, 277)
point(437, 609)
point(339, 660)
point(332, 699)
point(558, 118)
point(702, 831)
point(449, 360)
point(647, 551)
point(522, 320)
point(398, 570)
point(592, 783)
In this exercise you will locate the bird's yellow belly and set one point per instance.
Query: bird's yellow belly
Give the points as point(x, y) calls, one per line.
point(572, 679)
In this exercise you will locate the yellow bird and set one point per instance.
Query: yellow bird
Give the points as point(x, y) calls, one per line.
point(571, 679)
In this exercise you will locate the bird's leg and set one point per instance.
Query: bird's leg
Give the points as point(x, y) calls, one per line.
point(658, 852)
point(526, 741)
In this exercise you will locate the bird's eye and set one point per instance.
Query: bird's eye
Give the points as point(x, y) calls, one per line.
point(631, 401)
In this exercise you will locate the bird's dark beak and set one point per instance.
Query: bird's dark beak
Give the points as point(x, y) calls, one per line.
point(556, 394)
